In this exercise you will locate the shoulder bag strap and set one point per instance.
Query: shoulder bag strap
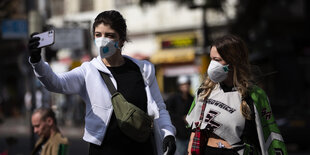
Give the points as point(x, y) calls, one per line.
point(108, 82)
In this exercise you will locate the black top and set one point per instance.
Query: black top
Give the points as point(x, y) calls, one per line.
point(131, 85)
point(38, 149)
point(178, 108)
point(249, 135)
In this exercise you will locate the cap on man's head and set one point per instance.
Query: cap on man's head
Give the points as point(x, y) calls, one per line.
point(183, 79)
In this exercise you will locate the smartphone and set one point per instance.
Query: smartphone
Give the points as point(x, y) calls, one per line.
point(46, 38)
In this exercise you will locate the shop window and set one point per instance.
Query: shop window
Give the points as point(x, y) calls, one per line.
point(86, 5)
point(122, 3)
point(57, 7)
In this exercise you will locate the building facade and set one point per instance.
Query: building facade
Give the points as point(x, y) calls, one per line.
point(167, 33)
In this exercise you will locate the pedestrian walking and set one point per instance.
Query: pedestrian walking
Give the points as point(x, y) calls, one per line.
point(51, 141)
point(231, 115)
point(178, 105)
point(113, 85)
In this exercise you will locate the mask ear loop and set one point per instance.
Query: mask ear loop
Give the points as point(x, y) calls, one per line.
point(116, 45)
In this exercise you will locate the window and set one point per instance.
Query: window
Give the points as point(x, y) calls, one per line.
point(121, 3)
point(57, 7)
point(86, 5)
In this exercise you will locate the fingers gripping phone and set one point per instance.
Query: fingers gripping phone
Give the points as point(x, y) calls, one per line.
point(46, 38)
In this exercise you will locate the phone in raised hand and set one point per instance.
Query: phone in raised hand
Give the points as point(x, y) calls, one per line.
point(46, 38)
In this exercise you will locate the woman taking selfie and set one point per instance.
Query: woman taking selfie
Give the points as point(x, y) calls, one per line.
point(134, 81)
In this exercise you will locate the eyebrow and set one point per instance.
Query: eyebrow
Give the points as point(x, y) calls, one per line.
point(106, 32)
point(113, 34)
point(216, 57)
point(110, 33)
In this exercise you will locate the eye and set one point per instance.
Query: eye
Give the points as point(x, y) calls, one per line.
point(217, 59)
point(98, 35)
point(110, 35)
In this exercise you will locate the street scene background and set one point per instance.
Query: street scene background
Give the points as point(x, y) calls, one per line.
point(172, 34)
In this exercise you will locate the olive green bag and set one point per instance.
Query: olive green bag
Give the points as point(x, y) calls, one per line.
point(132, 121)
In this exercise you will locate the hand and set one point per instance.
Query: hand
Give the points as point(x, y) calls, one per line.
point(169, 143)
point(34, 51)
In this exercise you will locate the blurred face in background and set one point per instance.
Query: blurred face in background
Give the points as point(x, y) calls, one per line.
point(41, 127)
point(184, 88)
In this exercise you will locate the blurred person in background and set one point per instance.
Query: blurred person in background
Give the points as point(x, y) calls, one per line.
point(178, 105)
point(231, 115)
point(50, 141)
point(134, 79)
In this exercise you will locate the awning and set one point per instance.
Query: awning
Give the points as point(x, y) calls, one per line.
point(172, 71)
point(173, 56)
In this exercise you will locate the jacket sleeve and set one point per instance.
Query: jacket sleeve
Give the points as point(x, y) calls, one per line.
point(67, 83)
point(270, 138)
point(164, 120)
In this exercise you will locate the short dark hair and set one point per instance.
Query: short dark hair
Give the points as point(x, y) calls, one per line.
point(45, 113)
point(115, 20)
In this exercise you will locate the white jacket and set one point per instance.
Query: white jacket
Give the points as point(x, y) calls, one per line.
point(87, 82)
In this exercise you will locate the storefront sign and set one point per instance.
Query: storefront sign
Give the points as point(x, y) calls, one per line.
point(181, 70)
point(14, 29)
point(71, 38)
point(180, 42)
point(173, 56)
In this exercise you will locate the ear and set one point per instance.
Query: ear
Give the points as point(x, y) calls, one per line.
point(49, 121)
point(121, 43)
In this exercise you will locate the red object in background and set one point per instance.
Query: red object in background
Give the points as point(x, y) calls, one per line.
point(5, 152)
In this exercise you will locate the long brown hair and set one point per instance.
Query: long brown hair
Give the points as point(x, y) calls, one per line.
point(235, 53)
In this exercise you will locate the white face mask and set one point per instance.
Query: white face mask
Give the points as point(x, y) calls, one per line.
point(106, 47)
point(217, 72)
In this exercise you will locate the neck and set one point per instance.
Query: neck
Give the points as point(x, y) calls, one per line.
point(54, 130)
point(228, 82)
point(115, 60)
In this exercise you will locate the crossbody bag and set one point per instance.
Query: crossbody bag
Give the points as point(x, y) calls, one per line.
point(201, 137)
point(132, 121)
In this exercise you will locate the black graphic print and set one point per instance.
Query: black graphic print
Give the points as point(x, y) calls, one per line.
point(211, 124)
point(266, 114)
point(221, 105)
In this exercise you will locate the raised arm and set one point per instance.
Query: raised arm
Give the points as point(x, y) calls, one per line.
point(66, 83)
